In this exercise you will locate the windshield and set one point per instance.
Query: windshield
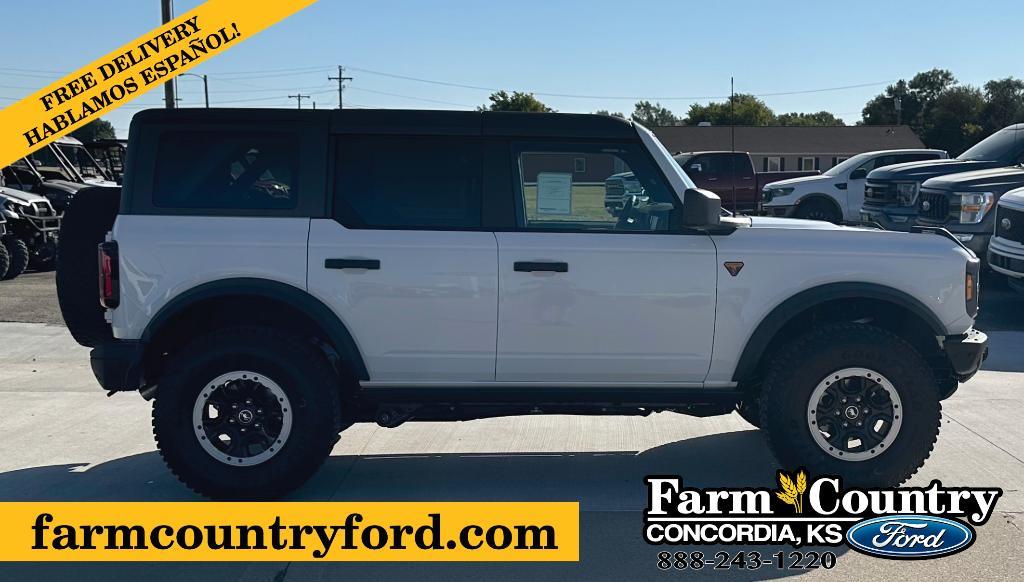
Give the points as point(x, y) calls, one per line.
point(80, 158)
point(996, 146)
point(50, 164)
point(846, 166)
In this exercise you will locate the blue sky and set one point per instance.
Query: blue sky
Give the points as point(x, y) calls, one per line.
point(607, 53)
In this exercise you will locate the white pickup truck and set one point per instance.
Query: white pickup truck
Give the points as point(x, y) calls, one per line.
point(838, 193)
point(271, 277)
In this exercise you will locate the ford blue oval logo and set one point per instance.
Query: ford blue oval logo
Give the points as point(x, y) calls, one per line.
point(909, 536)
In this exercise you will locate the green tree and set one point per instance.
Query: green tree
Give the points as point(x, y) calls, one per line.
point(741, 109)
point(516, 101)
point(653, 114)
point(1004, 103)
point(609, 113)
point(955, 119)
point(916, 100)
point(94, 130)
point(819, 118)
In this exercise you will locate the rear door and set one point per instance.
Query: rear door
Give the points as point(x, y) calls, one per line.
point(405, 261)
point(587, 298)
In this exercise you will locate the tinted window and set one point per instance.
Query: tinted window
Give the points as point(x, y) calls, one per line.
point(622, 189)
point(900, 159)
point(409, 182)
point(226, 170)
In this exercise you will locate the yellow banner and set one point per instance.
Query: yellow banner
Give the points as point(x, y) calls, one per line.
point(139, 66)
point(345, 531)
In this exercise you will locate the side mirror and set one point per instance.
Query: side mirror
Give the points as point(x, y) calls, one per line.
point(701, 208)
point(859, 174)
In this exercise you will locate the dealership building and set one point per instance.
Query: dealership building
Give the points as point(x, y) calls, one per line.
point(779, 148)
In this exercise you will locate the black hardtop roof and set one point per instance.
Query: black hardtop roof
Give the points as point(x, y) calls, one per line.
point(409, 121)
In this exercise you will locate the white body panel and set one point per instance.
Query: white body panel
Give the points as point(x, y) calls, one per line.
point(782, 259)
point(429, 313)
point(631, 308)
point(162, 256)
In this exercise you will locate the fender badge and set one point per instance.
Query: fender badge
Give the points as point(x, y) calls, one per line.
point(734, 267)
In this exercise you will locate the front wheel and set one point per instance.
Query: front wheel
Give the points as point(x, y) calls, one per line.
point(851, 400)
point(246, 413)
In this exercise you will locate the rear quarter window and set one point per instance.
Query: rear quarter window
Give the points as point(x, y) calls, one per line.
point(227, 170)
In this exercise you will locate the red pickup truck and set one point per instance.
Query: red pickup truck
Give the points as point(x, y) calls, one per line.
point(722, 172)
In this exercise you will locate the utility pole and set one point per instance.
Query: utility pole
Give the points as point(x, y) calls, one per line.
point(299, 98)
point(167, 14)
point(732, 136)
point(341, 78)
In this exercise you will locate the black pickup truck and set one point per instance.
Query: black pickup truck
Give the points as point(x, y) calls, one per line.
point(891, 194)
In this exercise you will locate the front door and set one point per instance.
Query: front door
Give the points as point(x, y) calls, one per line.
point(594, 299)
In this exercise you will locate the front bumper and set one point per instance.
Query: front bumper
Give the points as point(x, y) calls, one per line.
point(1004, 258)
point(117, 365)
point(966, 353)
point(898, 218)
point(777, 211)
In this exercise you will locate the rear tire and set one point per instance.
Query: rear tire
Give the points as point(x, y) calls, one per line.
point(750, 411)
point(818, 210)
point(287, 382)
point(85, 224)
point(17, 250)
point(5, 261)
point(881, 372)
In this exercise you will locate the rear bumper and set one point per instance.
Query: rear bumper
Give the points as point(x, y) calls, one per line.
point(966, 353)
point(117, 365)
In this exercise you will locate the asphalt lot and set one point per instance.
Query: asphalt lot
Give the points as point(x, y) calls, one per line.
point(62, 439)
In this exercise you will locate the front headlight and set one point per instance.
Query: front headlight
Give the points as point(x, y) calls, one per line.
point(906, 193)
point(974, 206)
point(768, 194)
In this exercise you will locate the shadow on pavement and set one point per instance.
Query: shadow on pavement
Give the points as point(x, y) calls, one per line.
point(609, 486)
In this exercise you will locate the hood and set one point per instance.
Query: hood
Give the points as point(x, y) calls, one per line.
point(991, 180)
point(1014, 198)
point(797, 181)
point(923, 170)
point(793, 223)
point(20, 196)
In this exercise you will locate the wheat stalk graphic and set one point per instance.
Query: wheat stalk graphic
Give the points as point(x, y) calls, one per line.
point(792, 493)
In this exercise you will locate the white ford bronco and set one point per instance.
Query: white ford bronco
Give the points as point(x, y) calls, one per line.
point(271, 277)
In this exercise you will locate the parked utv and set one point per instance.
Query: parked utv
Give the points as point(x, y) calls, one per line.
point(110, 154)
point(32, 227)
point(891, 193)
point(47, 173)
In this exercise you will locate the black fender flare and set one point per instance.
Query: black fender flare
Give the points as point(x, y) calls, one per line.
point(770, 325)
point(295, 297)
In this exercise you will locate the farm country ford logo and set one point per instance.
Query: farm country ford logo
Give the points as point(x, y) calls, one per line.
point(894, 523)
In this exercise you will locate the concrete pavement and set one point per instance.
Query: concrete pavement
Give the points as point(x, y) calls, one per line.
point(63, 439)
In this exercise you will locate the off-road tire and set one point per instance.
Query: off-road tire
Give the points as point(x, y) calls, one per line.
point(798, 368)
point(5, 261)
point(301, 371)
point(85, 224)
point(750, 411)
point(17, 250)
point(818, 210)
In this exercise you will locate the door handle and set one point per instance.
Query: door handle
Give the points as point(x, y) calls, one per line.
point(712, 179)
point(369, 264)
point(532, 266)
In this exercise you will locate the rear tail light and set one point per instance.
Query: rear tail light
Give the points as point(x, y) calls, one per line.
point(110, 290)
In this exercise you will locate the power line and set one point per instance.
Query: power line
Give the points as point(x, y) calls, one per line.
point(628, 97)
point(299, 97)
point(424, 99)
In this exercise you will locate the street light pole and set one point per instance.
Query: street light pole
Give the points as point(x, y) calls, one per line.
point(206, 87)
